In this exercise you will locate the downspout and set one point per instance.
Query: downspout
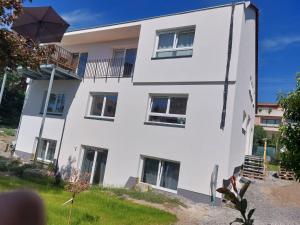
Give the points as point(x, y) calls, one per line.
point(225, 93)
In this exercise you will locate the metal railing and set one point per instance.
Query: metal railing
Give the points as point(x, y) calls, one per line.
point(103, 68)
point(63, 58)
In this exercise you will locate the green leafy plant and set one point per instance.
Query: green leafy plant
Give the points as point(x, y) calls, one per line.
point(238, 201)
point(270, 110)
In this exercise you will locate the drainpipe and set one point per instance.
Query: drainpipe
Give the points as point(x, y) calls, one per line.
point(225, 93)
point(44, 113)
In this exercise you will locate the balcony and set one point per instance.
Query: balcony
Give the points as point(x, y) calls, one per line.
point(65, 62)
point(63, 58)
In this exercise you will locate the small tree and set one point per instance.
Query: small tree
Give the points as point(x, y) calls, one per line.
point(290, 129)
point(78, 183)
point(258, 137)
point(239, 202)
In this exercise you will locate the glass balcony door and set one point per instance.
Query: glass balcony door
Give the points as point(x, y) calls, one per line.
point(122, 63)
point(93, 164)
point(161, 173)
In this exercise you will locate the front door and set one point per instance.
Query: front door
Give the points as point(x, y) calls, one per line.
point(94, 163)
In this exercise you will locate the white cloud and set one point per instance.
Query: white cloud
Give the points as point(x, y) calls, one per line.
point(279, 43)
point(81, 17)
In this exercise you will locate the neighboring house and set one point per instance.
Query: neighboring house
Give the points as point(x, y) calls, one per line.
point(150, 100)
point(269, 116)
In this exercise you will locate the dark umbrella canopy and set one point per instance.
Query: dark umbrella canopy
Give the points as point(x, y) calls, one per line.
point(41, 24)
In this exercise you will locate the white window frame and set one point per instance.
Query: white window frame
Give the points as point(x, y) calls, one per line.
point(56, 94)
point(46, 151)
point(167, 114)
point(175, 41)
point(90, 103)
point(159, 174)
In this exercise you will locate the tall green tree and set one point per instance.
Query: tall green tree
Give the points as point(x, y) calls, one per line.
point(13, 98)
point(15, 50)
point(290, 129)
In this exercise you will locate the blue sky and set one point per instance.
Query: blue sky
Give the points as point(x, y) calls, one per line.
point(279, 33)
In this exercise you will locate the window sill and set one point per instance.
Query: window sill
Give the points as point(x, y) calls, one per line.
point(160, 188)
point(52, 114)
point(171, 57)
point(100, 118)
point(164, 124)
point(43, 161)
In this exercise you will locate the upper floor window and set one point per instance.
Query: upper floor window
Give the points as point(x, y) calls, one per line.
point(103, 105)
point(175, 43)
point(168, 109)
point(56, 103)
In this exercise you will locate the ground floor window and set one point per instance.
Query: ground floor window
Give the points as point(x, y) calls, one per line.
point(94, 163)
point(161, 173)
point(47, 150)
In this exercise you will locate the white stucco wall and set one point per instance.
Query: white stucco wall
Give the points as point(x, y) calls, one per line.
point(241, 143)
point(198, 146)
point(209, 50)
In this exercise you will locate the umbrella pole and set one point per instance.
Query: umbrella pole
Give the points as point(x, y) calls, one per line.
point(2, 86)
point(44, 113)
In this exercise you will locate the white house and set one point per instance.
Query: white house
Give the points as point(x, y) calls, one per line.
point(159, 101)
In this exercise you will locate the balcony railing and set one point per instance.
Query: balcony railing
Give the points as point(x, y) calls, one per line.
point(63, 59)
point(103, 68)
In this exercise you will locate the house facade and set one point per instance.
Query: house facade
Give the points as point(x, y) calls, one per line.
point(269, 116)
point(159, 101)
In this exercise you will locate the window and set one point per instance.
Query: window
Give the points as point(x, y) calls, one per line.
point(56, 103)
point(47, 150)
point(175, 43)
point(103, 105)
point(168, 109)
point(246, 121)
point(271, 121)
point(161, 173)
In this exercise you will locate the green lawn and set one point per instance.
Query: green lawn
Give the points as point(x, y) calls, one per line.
point(7, 131)
point(91, 207)
point(273, 167)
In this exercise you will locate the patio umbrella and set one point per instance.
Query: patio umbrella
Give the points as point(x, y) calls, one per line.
point(41, 24)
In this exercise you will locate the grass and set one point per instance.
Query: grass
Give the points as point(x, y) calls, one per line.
point(149, 196)
point(96, 206)
point(273, 167)
point(8, 131)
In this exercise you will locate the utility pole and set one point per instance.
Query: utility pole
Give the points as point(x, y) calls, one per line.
point(265, 153)
point(39, 144)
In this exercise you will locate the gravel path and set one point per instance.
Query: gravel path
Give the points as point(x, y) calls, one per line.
point(277, 202)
